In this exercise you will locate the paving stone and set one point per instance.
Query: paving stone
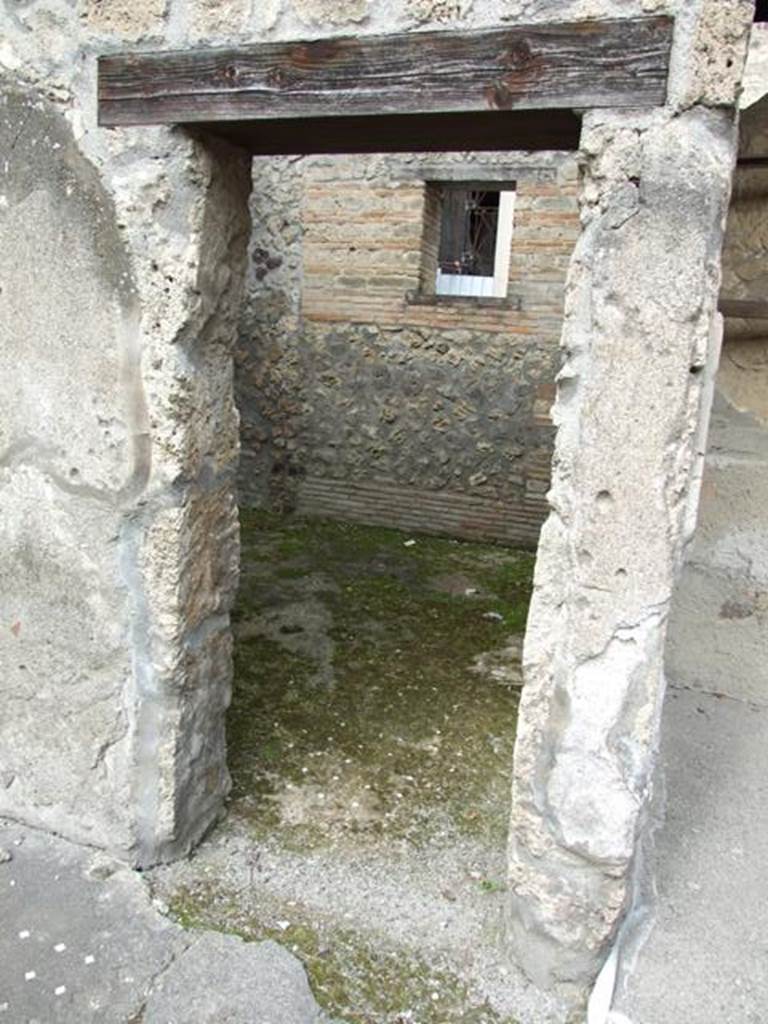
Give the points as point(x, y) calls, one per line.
point(82, 941)
point(221, 978)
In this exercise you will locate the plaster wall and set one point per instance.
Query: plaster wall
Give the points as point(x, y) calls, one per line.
point(719, 625)
point(120, 267)
point(74, 442)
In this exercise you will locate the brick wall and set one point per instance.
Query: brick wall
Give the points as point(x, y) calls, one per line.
point(367, 247)
point(362, 397)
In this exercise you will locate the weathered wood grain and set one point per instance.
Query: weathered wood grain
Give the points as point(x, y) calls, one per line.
point(577, 65)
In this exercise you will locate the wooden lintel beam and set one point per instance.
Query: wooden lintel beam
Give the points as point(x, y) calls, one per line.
point(619, 63)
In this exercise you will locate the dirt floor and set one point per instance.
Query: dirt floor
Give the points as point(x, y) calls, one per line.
point(371, 732)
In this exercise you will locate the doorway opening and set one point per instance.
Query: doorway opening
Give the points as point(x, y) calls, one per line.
point(396, 445)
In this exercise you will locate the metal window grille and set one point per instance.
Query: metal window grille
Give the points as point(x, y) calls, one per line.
point(468, 232)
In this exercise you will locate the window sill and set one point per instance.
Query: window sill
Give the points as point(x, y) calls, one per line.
point(513, 302)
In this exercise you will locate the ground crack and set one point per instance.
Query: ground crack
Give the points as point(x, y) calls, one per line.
point(138, 1016)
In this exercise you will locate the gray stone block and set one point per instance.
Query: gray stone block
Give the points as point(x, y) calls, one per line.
point(220, 979)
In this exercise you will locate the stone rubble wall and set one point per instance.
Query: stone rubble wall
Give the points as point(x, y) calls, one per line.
point(718, 636)
point(356, 402)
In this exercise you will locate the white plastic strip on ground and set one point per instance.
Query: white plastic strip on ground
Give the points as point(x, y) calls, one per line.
point(599, 1006)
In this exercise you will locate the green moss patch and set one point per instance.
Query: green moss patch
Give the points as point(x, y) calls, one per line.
point(357, 981)
point(358, 711)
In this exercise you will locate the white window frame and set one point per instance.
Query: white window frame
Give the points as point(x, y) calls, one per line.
point(475, 285)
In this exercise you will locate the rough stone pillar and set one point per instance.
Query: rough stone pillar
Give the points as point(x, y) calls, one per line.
point(180, 543)
point(639, 336)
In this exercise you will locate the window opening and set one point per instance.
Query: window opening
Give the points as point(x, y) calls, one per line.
point(475, 240)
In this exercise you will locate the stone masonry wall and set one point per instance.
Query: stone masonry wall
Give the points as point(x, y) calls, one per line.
point(357, 401)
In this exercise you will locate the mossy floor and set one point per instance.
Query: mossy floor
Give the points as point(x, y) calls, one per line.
point(370, 743)
point(359, 705)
